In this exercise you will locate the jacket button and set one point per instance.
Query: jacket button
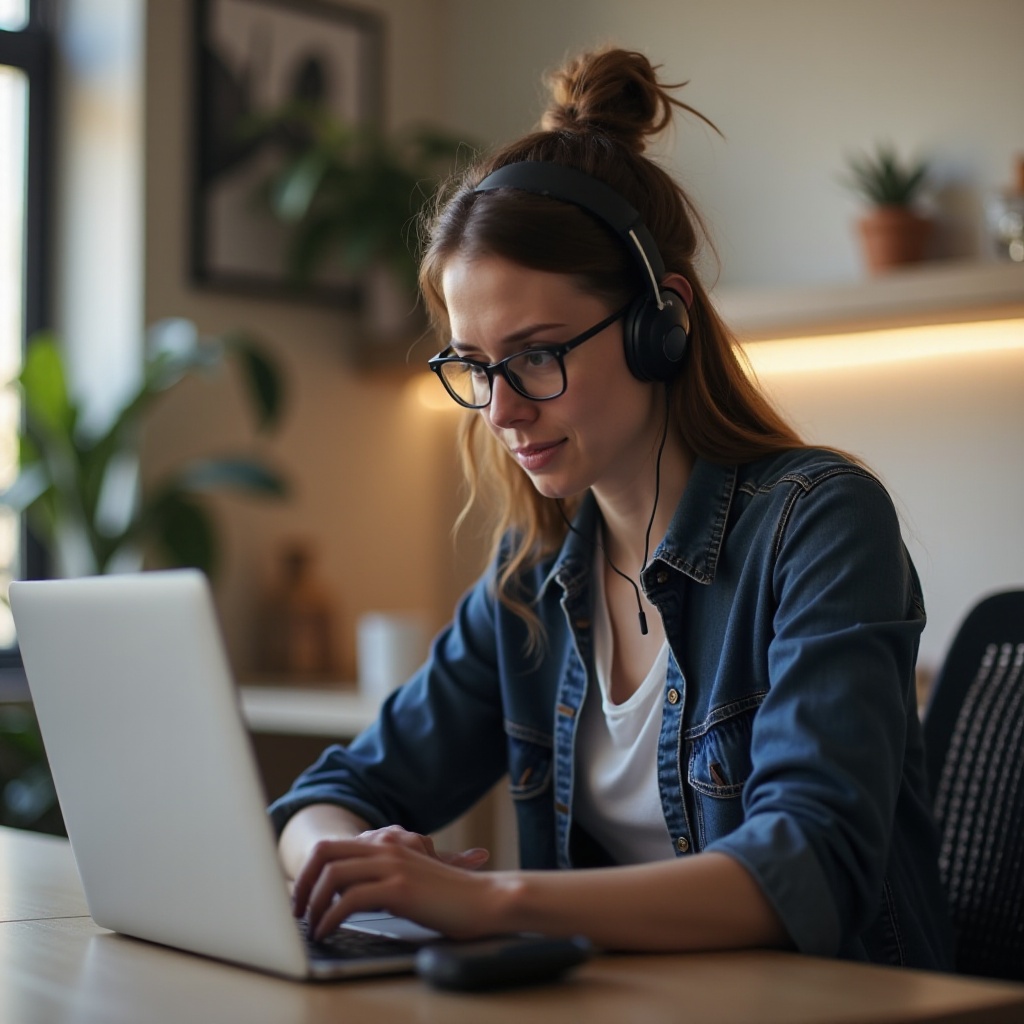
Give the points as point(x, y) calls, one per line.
point(662, 577)
point(682, 844)
point(673, 696)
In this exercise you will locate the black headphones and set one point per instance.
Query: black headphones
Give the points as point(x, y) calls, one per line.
point(656, 324)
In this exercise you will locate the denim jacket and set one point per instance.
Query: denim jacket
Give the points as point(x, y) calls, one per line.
point(789, 740)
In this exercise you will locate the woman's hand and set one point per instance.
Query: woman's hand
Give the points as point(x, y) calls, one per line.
point(395, 835)
point(394, 870)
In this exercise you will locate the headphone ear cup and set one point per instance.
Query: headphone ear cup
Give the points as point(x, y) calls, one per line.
point(655, 339)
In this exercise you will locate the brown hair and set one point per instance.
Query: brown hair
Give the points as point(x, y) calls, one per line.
point(604, 106)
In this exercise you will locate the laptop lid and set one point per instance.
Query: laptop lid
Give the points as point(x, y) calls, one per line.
point(154, 768)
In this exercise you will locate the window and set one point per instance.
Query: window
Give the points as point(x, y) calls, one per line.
point(24, 175)
point(13, 15)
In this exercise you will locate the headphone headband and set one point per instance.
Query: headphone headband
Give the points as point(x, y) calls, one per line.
point(602, 201)
point(655, 326)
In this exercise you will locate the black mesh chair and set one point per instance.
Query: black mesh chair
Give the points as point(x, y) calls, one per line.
point(974, 741)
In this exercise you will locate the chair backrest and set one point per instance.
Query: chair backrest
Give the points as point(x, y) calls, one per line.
point(974, 743)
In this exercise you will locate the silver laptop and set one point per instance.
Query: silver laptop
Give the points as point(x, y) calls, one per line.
point(157, 780)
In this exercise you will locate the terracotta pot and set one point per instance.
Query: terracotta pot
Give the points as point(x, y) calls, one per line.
point(892, 235)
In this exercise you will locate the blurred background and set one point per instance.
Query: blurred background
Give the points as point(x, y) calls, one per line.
point(132, 212)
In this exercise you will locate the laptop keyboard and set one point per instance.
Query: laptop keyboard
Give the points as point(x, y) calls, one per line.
point(348, 944)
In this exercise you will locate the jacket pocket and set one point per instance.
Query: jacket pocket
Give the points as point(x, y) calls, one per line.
point(529, 762)
point(718, 767)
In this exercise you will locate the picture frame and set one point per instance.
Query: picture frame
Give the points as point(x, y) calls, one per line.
point(251, 57)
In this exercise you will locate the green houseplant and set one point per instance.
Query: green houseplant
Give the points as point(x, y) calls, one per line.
point(893, 231)
point(27, 796)
point(352, 194)
point(77, 484)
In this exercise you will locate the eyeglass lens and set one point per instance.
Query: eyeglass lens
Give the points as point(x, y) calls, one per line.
point(534, 373)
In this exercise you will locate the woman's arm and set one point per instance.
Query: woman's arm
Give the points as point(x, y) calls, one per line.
point(703, 902)
point(708, 901)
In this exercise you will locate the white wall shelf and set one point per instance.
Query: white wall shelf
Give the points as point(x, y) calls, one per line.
point(919, 294)
point(337, 710)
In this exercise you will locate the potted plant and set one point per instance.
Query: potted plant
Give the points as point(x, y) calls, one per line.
point(893, 231)
point(27, 796)
point(352, 194)
point(78, 485)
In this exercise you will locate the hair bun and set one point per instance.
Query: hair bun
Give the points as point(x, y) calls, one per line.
point(612, 91)
point(615, 92)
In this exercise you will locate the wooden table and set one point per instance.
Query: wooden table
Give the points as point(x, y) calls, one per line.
point(57, 965)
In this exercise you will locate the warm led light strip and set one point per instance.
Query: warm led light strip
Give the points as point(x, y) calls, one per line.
point(431, 394)
point(838, 351)
point(831, 352)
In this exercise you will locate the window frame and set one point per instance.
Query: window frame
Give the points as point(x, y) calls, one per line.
point(31, 50)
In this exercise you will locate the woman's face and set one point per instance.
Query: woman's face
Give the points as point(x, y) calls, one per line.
point(600, 432)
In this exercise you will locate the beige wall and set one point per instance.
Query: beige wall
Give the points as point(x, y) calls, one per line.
point(794, 84)
point(373, 472)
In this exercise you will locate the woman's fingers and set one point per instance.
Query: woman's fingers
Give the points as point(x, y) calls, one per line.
point(472, 859)
point(366, 876)
point(387, 868)
point(332, 897)
point(323, 853)
point(327, 850)
point(395, 835)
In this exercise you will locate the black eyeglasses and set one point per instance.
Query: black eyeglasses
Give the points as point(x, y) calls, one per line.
point(536, 373)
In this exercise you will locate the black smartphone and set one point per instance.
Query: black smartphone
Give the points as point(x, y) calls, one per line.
point(502, 962)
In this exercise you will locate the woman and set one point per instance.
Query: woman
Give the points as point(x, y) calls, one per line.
point(693, 651)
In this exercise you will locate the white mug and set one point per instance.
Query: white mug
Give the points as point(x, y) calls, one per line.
point(390, 647)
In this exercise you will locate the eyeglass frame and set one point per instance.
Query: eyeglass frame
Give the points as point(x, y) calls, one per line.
point(559, 352)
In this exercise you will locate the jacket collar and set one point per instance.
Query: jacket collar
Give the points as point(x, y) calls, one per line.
point(692, 544)
point(696, 533)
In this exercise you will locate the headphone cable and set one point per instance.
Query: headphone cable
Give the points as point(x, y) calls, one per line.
point(650, 525)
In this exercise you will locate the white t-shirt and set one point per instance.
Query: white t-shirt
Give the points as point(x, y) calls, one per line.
point(616, 792)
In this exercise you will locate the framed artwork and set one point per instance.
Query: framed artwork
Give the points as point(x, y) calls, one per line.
point(252, 58)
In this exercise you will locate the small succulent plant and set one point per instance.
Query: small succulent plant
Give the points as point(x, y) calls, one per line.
point(883, 179)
